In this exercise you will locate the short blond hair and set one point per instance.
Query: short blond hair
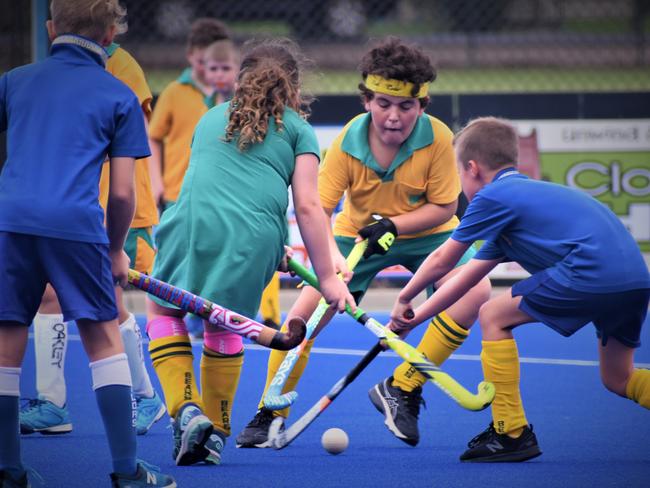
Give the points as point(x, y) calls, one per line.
point(222, 50)
point(488, 140)
point(88, 18)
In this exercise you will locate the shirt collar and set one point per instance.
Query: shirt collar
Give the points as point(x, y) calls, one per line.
point(83, 42)
point(111, 48)
point(185, 78)
point(504, 173)
point(355, 143)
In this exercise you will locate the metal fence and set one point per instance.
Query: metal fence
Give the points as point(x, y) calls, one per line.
point(477, 45)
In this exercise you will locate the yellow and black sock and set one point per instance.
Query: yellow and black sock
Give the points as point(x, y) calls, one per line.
point(275, 360)
point(443, 337)
point(500, 360)
point(172, 359)
point(638, 387)
point(220, 375)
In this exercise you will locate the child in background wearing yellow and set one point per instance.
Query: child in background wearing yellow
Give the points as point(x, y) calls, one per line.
point(178, 110)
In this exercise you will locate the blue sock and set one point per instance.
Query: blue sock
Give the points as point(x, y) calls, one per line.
point(117, 409)
point(9, 434)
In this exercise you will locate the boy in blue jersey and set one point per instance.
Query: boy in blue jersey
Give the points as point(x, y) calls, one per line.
point(584, 264)
point(51, 224)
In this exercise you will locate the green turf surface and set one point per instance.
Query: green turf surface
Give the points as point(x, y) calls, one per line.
point(500, 80)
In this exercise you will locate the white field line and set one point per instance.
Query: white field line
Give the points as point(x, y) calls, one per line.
point(361, 352)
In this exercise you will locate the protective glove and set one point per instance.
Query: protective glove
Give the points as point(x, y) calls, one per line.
point(380, 234)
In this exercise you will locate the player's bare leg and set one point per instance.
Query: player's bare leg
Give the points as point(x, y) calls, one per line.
point(619, 375)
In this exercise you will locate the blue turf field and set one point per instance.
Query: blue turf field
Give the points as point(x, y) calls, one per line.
point(590, 438)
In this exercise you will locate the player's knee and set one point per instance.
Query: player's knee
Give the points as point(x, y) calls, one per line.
point(488, 318)
point(223, 342)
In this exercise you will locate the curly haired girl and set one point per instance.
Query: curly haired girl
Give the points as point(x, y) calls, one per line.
point(223, 239)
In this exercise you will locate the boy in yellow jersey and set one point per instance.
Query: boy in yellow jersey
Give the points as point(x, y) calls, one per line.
point(178, 109)
point(397, 162)
point(48, 414)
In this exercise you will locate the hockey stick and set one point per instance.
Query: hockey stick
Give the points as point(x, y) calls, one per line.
point(437, 376)
point(217, 315)
point(274, 398)
point(279, 440)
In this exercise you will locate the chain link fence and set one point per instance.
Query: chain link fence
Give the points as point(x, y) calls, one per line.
point(479, 46)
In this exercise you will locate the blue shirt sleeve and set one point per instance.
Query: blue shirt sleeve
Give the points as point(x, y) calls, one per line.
point(484, 219)
point(3, 103)
point(130, 138)
point(489, 250)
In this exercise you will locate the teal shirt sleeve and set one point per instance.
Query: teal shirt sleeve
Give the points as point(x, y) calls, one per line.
point(306, 141)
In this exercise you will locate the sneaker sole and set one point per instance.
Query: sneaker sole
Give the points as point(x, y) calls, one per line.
point(377, 399)
point(248, 445)
point(56, 430)
point(510, 457)
point(158, 416)
point(196, 434)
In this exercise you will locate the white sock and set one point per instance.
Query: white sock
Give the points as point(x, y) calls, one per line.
point(50, 344)
point(132, 338)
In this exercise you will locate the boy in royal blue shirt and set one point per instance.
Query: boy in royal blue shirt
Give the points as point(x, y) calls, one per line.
point(584, 264)
point(51, 224)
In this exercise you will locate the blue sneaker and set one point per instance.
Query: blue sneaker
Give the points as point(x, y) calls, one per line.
point(45, 417)
point(9, 478)
point(214, 446)
point(150, 411)
point(146, 475)
point(192, 430)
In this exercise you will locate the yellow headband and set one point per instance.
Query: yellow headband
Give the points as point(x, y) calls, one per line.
point(396, 88)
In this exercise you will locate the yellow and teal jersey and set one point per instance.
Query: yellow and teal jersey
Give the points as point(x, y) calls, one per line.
point(423, 171)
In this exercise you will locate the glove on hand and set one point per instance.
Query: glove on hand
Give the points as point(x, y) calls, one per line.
point(381, 235)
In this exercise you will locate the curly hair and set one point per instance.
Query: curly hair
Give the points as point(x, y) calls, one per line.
point(393, 59)
point(269, 80)
point(89, 18)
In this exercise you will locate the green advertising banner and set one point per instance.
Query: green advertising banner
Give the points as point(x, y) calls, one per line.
point(609, 159)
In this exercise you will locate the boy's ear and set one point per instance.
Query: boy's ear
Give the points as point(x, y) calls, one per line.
point(109, 36)
point(474, 168)
point(51, 32)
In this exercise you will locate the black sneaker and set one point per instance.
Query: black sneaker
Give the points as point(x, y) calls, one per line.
point(400, 408)
point(12, 479)
point(491, 447)
point(256, 433)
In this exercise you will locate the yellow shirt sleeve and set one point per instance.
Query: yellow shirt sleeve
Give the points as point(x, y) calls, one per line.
point(333, 175)
point(161, 119)
point(125, 68)
point(443, 183)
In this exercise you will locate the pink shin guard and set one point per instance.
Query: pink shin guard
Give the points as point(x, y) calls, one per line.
point(223, 342)
point(166, 327)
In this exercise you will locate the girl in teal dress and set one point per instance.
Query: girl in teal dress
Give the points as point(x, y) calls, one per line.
point(223, 239)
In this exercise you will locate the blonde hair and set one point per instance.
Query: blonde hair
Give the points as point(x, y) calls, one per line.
point(222, 50)
point(489, 140)
point(269, 80)
point(89, 18)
